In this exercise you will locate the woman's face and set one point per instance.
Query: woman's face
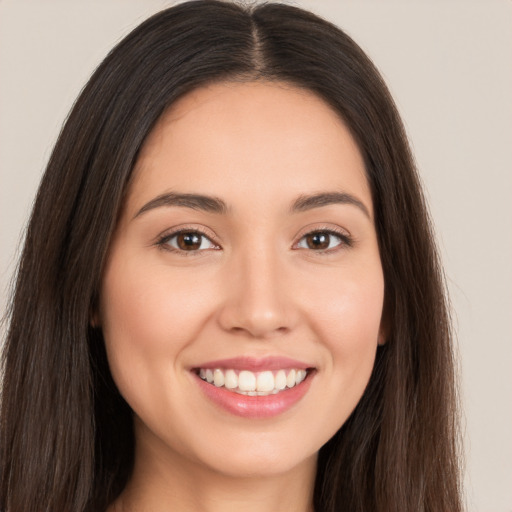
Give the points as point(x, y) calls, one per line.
point(246, 253)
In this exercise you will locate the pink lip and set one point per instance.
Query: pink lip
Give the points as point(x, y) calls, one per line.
point(255, 406)
point(255, 364)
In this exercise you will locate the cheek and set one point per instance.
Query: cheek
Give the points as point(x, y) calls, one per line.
point(346, 305)
point(347, 321)
point(149, 306)
point(148, 318)
point(353, 316)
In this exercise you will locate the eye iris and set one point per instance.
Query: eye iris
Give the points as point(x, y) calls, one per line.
point(188, 241)
point(318, 240)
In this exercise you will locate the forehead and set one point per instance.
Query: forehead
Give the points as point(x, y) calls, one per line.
point(257, 140)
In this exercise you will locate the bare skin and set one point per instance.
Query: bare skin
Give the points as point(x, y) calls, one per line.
point(279, 261)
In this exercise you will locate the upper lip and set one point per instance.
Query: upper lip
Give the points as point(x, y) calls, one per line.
point(255, 364)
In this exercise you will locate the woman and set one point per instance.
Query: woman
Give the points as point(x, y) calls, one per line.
point(228, 285)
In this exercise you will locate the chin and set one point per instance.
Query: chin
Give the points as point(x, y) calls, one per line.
point(259, 455)
point(263, 465)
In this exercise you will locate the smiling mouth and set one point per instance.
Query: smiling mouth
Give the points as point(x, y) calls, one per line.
point(245, 382)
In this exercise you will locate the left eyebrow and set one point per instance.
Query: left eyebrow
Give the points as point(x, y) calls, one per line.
point(194, 201)
point(308, 202)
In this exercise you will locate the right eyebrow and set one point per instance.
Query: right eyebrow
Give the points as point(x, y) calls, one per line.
point(208, 204)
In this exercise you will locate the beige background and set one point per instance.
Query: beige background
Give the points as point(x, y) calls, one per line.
point(448, 64)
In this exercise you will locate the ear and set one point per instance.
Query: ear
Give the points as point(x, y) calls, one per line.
point(94, 315)
point(94, 321)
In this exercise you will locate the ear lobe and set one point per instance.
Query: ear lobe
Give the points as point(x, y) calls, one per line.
point(94, 321)
point(385, 325)
point(94, 317)
point(384, 330)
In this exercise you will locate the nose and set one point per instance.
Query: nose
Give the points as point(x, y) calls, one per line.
point(258, 298)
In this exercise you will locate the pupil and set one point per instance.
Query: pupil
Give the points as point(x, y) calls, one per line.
point(188, 241)
point(318, 241)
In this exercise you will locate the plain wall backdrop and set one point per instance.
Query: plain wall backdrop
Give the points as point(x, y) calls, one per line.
point(449, 66)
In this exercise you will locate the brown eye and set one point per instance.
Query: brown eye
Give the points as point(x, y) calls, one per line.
point(322, 240)
point(189, 241)
point(318, 240)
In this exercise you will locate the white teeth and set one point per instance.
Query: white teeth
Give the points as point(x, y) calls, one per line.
point(280, 380)
point(265, 381)
point(247, 381)
point(253, 384)
point(230, 379)
point(290, 380)
point(218, 378)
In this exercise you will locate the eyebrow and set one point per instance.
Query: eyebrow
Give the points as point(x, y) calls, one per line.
point(216, 205)
point(194, 201)
point(309, 202)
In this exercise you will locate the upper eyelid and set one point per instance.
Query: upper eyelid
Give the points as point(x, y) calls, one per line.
point(214, 245)
point(185, 228)
point(326, 228)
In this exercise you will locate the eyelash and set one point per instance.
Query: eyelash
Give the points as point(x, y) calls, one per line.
point(346, 241)
point(163, 241)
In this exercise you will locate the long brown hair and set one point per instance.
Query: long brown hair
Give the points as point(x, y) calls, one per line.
point(66, 434)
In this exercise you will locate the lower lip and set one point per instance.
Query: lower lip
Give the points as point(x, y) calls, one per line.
point(255, 406)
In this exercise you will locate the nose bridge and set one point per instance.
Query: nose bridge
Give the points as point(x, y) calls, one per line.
point(258, 301)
